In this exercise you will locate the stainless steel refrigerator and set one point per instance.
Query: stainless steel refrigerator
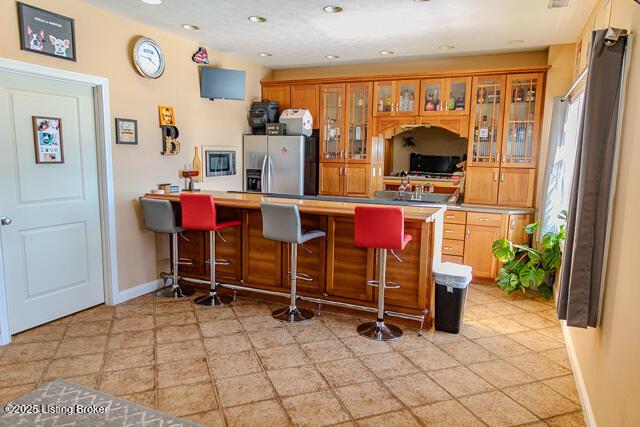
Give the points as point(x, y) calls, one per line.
point(281, 164)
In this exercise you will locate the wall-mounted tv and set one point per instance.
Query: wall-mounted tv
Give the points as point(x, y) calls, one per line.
point(220, 83)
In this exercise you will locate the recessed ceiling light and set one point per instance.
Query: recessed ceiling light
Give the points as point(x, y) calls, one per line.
point(447, 47)
point(153, 2)
point(264, 54)
point(332, 9)
point(419, 1)
point(190, 27)
point(517, 41)
point(257, 19)
point(332, 56)
point(386, 52)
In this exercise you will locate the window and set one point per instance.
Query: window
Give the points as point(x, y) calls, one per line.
point(561, 167)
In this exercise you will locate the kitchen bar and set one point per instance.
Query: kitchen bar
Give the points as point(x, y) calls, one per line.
point(338, 270)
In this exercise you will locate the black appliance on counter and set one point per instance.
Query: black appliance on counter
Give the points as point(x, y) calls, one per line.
point(434, 164)
point(260, 114)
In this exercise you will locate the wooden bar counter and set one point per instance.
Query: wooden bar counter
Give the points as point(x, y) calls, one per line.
point(339, 270)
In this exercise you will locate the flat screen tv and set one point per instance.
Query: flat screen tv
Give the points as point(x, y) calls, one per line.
point(219, 83)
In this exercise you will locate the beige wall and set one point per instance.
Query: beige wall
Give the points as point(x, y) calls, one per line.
point(609, 356)
point(103, 43)
point(430, 64)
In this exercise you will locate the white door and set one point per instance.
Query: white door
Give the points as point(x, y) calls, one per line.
point(52, 249)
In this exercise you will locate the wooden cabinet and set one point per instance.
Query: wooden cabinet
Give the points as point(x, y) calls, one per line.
point(331, 179)
point(516, 229)
point(356, 180)
point(477, 250)
point(347, 280)
point(481, 185)
point(311, 258)
point(229, 249)
point(261, 258)
point(307, 96)
point(357, 121)
point(191, 251)
point(522, 120)
point(516, 187)
point(280, 93)
point(396, 98)
point(332, 115)
point(487, 109)
point(448, 96)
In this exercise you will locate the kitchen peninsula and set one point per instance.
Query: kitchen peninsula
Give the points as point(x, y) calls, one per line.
point(338, 270)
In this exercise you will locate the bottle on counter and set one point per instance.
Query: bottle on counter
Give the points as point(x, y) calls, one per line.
point(401, 189)
point(407, 188)
point(197, 165)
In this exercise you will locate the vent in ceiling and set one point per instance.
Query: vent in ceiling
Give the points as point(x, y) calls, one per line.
point(558, 3)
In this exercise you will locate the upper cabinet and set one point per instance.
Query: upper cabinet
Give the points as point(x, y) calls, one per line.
point(280, 93)
point(307, 96)
point(396, 98)
point(487, 108)
point(449, 96)
point(331, 123)
point(522, 120)
point(358, 120)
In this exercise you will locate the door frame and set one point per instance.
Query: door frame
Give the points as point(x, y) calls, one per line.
point(100, 87)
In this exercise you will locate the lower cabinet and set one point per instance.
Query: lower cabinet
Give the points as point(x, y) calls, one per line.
point(344, 179)
point(477, 250)
point(502, 186)
point(311, 258)
point(261, 258)
point(481, 185)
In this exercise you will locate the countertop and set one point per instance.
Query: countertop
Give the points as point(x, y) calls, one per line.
point(314, 204)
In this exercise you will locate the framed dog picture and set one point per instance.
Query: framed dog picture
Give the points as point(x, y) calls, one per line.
point(127, 131)
point(46, 32)
point(47, 135)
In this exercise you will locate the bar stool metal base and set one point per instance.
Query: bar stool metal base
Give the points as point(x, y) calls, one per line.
point(379, 331)
point(293, 315)
point(213, 300)
point(174, 292)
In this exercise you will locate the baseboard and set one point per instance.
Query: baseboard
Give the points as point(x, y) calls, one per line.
point(587, 410)
point(136, 291)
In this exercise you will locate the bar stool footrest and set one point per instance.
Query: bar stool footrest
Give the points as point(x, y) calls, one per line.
point(293, 315)
point(387, 285)
point(174, 292)
point(213, 300)
point(379, 331)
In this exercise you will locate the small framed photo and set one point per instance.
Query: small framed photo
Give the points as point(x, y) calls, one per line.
point(47, 134)
point(167, 116)
point(127, 131)
point(46, 32)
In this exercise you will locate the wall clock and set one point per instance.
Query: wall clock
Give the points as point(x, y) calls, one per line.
point(148, 58)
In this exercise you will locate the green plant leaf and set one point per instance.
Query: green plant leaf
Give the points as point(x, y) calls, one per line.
point(551, 259)
point(503, 250)
point(564, 215)
point(531, 277)
point(532, 228)
point(545, 290)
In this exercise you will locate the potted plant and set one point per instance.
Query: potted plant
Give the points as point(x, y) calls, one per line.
point(529, 268)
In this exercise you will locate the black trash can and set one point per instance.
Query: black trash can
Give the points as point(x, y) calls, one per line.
point(452, 281)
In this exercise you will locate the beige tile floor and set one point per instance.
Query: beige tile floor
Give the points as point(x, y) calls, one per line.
point(237, 366)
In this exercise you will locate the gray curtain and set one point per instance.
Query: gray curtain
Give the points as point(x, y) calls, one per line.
point(582, 266)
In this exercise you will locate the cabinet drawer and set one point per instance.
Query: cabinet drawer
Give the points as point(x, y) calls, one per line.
point(453, 231)
point(452, 247)
point(452, 258)
point(486, 219)
point(455, 217)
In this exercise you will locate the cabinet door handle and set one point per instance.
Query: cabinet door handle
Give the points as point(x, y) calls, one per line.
point(449, 248)
point(379, 171)
point(346, 171)
point(373, 171)
point(448, 231)
point(502, 177)
point(449, 216)
point(483, 219)
point(495, 177)
point(513, 224)
point(468, 233)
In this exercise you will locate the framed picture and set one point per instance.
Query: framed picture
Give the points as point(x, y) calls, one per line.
point(167, 116)
point(127, 131)
point(46, 32)
point(47, 135)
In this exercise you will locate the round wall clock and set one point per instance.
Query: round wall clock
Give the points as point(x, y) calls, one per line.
point(148, 58)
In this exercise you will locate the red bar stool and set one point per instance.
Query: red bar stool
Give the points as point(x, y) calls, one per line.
point(199, 213)
point(380, 228)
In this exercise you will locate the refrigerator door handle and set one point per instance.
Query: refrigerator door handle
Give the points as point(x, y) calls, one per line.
point(263, 175)
point(269, 174)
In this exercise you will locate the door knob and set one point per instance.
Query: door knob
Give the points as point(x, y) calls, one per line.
point(5, 220)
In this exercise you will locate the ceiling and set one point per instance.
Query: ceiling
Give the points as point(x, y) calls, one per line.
point(299, 33)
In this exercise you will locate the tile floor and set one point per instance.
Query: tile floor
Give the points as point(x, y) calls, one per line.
point(237, 366)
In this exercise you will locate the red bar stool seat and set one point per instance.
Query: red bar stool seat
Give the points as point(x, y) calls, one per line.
point(380, 228)
point(199, 213)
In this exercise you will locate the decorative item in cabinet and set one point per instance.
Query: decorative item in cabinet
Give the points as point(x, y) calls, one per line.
point(307, 96)
point(383, 98)
point(331, 122)
point(358, 119)
point(407, 97)
point(487, 108)
point(431, 96)
point(522, 120)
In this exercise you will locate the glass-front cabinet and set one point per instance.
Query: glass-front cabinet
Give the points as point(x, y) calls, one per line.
point(522, 120)
point(331, 122)
point(458, 96)
point(431, 96)
point(396, 98)
point(450, 96)
point(487, 108)
point(358, 118)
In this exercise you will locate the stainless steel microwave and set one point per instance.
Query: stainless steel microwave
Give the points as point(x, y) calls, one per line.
point(220, 162)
